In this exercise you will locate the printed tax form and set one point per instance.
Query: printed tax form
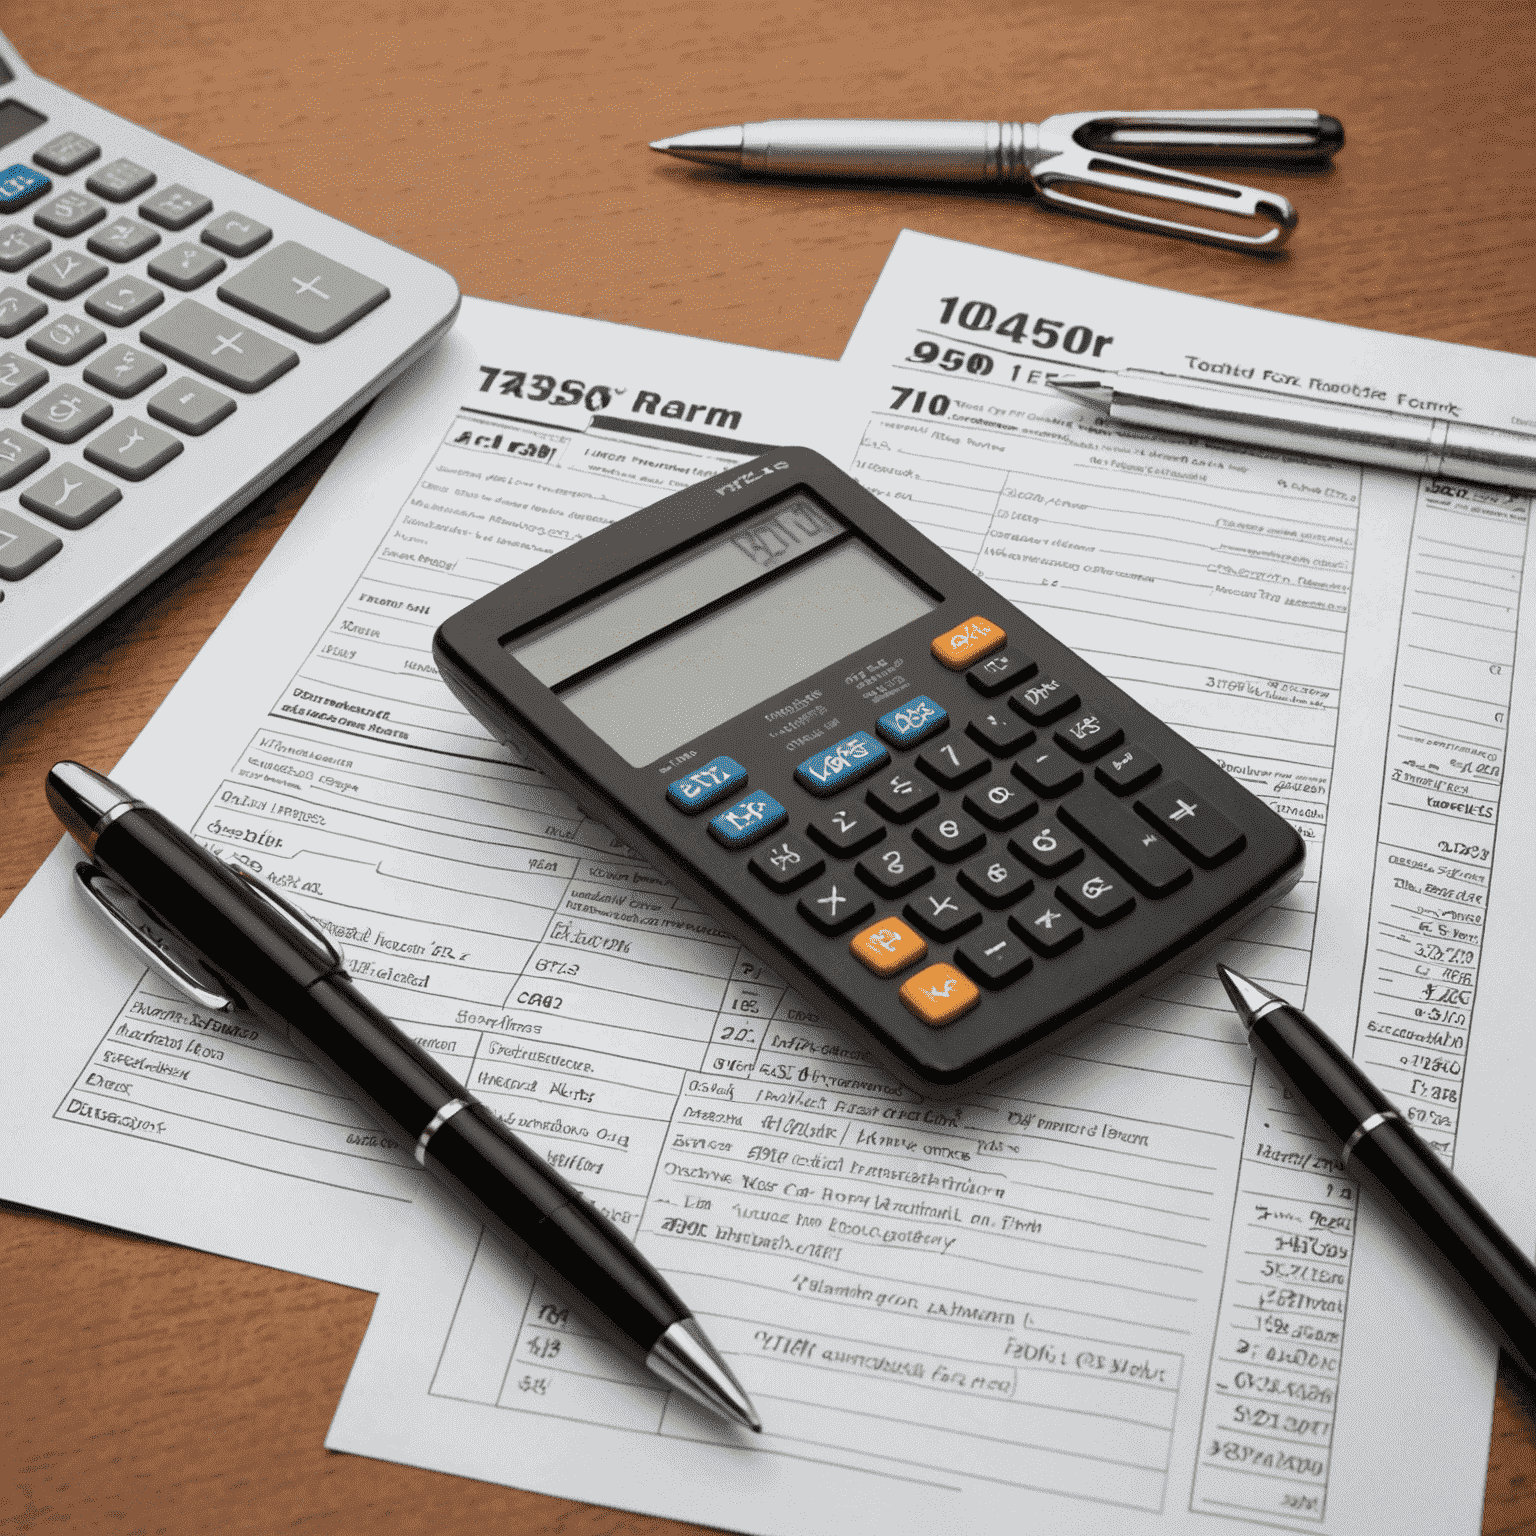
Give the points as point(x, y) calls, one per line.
point(1129, 1290)
point(313, 740)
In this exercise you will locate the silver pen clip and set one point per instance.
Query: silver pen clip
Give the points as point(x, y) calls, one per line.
point(300, 926)
point(167, 959)
point(1076, 149)
point(173, 961)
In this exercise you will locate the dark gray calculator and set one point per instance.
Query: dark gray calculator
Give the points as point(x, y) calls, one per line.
point(946, 829)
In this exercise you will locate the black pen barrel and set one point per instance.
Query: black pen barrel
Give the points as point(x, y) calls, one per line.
point(1421, 1191)
point(514, 1191)
point(1321, 1075)
point(521, 1199)
point(1476, 1249)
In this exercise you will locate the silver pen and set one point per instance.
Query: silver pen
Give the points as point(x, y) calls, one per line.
point(1333, 429)
point(1070, 150)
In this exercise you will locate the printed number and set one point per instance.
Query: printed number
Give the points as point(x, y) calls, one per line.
point(938, 405)
point(997, 874)
point(1044, 841)
point(949, 830)
point(892, 862)
point(953, 359)
point(949, 751)
point(598, 398)
point(1045, 334)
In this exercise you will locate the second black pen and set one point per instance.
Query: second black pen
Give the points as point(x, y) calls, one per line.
point(1379, 1142)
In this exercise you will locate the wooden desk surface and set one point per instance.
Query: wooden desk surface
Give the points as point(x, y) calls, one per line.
point(147, 1388)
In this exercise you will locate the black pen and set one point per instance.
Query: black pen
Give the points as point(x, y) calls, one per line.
point(229, 941)
point(1424, 1192)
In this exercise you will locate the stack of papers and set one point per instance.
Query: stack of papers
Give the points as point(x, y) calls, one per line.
point(1120, 1290)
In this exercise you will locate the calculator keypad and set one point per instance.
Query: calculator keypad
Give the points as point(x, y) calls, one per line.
point(1011, 840)
point(58, 243)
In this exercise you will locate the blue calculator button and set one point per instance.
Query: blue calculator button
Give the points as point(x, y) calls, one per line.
point(844, 764)
point(917, 718)
point(747, 820)
point(705, 785)
point(19, 185)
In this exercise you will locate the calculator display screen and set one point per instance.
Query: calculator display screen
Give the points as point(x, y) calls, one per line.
point(773, 538)
point(746, 650)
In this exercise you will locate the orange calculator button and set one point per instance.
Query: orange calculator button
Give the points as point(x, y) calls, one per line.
point(959, 647)
point(888, 946)
point(939, 994)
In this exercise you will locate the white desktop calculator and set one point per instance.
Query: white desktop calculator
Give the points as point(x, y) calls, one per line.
point(174, 337)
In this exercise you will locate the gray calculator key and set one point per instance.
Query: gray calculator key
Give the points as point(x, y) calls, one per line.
point(66, 413)
point(18, 310)
point(191, 408)
point(133, 449)
point(121, 180)
point(186, 266)
point(66, 340)
point(175, 207)
point(66, 154)
point(236, 234)
point(20, 247)
point(19, 376)
point(122, 302)
point(303, 292)
point(24, 546)
point(219, 346)
point(65, 275)
point(19, 456)
point(70, 496)
point(123, 239)
point(124, 371)
point(69, 214)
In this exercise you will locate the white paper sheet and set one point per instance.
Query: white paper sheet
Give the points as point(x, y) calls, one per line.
point(1111, 1294)
point(313, 738)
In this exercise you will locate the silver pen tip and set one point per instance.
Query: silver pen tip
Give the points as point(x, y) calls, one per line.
point(707, 146)
point(1085, 392)
point(1249, 999)
point(686, 1360)
point(83, 800)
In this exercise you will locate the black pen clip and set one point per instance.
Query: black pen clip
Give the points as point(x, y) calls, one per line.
point(166, 958)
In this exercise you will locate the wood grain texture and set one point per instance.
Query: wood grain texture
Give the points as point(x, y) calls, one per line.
point(147, 1389)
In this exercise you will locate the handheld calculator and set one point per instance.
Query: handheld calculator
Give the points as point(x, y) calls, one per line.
point(946, 829)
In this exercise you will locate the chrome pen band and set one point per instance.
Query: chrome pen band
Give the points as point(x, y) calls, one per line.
point(1365, 1127)
point(435, 1124)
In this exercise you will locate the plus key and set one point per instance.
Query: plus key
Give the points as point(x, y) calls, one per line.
point(1189, 823)
point(835, 905)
